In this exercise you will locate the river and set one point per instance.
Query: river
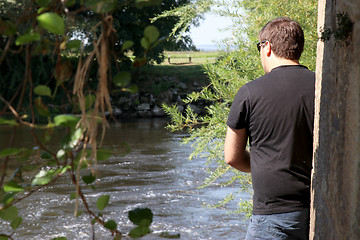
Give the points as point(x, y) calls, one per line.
point(156, 174)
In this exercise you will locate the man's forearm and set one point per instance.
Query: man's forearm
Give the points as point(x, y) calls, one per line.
point(236, 154)
point(244, 164)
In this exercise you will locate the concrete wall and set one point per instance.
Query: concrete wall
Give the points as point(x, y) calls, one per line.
point(335, 210)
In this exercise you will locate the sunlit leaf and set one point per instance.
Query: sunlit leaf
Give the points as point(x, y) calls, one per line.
point(75, 137)
point(13, 187)
point(126, 45)
point(66, 120)
point(122, 79)
point(151, 33)
point(46, 176)
point(102, 202)
point(9, 214)
point(16, 222)
point(111, 224)
point(27, 37)
point(52, 22)
point(42, 90)
point(88, 179)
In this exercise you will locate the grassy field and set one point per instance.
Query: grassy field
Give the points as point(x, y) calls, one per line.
point(196, 57)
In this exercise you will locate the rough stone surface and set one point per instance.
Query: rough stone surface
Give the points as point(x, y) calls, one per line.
point(335, 210)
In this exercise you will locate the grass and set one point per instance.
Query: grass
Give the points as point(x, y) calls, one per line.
point(196, 57)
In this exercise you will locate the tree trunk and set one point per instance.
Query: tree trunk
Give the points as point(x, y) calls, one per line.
point(335, 207)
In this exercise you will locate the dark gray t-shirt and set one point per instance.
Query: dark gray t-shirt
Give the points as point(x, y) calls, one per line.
point(277, 111)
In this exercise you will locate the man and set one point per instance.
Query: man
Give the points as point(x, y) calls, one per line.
point(276, 113)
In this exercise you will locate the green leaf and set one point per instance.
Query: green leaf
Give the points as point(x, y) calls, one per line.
point(122, 79)
point(72, 195)
point(151, 33)
point(74, 45)
point(88, 179)
point(139, 232)
point(89, 101)
point(13, 187)
point(11, 152)
point(4, 238)
point(52, 22)
point(138, 215)
point(59, 238)
point(10, 122)
point(44, 177)
point(103, 154)
point(132, 89)
point(42, 90)
point(9, 214)
point(27, 37)
point(66, 120)
point(126, 45)
point(144, 43)
point(43, 3)
point(111, 224)
point(16, 222)
point(102, 202)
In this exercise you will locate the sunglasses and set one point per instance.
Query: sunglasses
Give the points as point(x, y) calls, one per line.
point(259, 44)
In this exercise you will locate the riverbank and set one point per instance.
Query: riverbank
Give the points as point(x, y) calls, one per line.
point(167, 83)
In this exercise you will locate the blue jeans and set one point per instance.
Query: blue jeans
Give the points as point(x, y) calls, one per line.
point(283, 226)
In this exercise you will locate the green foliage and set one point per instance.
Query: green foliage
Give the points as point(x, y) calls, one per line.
point(229, 73)
point(49, 83)
point(142, 217)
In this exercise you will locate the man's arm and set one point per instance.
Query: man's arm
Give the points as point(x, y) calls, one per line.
point(235, 149)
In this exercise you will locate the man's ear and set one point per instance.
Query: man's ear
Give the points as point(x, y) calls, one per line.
point(267, 49)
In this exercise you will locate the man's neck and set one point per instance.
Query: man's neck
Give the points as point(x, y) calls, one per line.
point(277, 62)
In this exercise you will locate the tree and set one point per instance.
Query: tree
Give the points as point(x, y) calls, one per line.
point(39, 32)
point(207, 132)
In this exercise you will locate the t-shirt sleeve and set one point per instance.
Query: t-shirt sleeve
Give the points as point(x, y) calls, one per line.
point(240, 110)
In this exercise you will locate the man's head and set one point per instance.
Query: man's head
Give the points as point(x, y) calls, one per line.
point(285, 36)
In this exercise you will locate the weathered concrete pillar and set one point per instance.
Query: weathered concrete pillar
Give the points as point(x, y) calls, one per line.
point(335, 209)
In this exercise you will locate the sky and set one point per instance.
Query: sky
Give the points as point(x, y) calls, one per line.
point(209, 31)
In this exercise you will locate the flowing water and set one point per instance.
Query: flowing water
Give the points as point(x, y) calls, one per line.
point(156, 174)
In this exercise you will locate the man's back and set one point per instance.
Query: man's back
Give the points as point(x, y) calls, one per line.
point(278, 111)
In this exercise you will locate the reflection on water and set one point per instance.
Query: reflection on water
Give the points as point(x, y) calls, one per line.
point(155, 174)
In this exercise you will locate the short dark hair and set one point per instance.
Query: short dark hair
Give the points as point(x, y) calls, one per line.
point(285, 36)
